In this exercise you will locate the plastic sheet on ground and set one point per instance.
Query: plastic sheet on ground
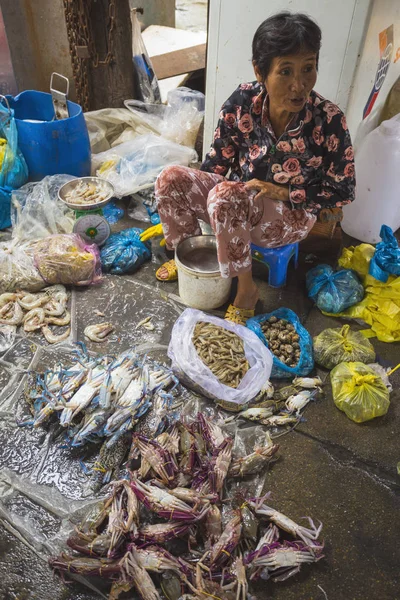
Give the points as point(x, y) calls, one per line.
point(43, 490)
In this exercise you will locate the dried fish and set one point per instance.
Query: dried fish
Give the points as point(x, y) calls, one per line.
point(222, 351)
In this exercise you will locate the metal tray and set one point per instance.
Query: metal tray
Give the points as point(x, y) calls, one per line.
point(71, 185)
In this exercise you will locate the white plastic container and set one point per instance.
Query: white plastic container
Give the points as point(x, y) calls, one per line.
point(200, 283)
point(377, 200)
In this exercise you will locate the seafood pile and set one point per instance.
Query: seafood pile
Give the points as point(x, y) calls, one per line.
point(222, 351)
point(37, 311)
point(102, 397)
point(283, 340)
point(99, 332)
point(278, 408)
point(87, 192)
point(165, 526)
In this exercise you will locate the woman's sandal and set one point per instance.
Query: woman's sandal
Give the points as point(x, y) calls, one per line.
point(238, 315)
point(172, 271)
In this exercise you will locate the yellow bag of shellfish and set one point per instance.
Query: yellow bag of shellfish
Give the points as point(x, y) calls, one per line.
point(359, 392)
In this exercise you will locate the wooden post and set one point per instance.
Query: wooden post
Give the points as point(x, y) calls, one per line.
point(111, 84)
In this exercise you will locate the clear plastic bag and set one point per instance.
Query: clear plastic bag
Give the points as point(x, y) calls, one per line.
point(67, 259)
point(135, 165)
point(359, 392)
point(145, 80)
point(306, 361)
point(124, 252)
point(334, 346)
point(386, 260)
point(333, 291)
point(193, 373)
point(17, 269)
point(37, 211)
point(109, 127)
point(178, 122)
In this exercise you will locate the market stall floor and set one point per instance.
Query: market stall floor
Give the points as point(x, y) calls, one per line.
point(338, 472)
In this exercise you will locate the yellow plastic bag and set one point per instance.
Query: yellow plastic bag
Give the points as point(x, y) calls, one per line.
point(357, 258)
point(380, 307)
point(359, 392)
point(3, 146)
point(334, 346)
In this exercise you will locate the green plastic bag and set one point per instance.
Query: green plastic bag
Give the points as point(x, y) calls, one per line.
point(359, 392)
point(334, 346)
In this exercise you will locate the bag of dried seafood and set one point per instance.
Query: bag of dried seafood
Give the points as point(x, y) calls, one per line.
point(289, 342)
point(218, 359)
point(359, 392)
point(334, 346)
point(17, 271)
point(67, 259)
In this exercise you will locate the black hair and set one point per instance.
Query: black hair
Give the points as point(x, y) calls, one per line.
point(283, 34)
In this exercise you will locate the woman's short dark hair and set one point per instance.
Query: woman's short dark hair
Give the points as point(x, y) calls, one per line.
point(283, 34)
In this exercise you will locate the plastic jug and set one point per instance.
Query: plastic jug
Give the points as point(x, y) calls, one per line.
point(377, 200)
point(49, 146)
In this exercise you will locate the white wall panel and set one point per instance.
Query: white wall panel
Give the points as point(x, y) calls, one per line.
point(232, 24)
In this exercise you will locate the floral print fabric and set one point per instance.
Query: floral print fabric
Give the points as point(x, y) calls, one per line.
point(314, 156)
point(237, 218)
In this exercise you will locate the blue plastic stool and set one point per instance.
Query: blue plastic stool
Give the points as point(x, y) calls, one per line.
point(277, 261)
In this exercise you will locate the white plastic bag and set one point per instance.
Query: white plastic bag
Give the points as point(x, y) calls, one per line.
point(135, 165)
point(192, 372)
point(37, 212)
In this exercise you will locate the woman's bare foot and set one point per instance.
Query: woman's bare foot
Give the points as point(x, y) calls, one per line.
point(167, 271)
point(247, 293)
point(162, 273)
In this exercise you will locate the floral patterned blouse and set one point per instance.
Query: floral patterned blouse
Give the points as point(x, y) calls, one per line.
point(314, 155)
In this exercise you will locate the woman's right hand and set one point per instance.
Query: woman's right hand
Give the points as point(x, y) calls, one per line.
point(154, 231)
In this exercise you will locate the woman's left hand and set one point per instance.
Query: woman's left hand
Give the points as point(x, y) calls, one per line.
point(269, 190)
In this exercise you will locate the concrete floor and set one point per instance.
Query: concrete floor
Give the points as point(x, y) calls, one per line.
point(338, 472)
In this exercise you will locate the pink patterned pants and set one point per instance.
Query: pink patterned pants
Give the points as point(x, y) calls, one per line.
point(186, 195)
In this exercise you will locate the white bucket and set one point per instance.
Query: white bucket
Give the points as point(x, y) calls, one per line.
point(200, 283)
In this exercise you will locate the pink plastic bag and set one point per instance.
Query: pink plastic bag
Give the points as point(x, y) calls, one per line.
point(67, 259)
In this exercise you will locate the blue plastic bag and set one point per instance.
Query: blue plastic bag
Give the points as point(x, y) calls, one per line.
point(386, 260)
point(123, 252)
point(306, 361)
point(334, 291)
point(112, 213)
point(13, 170)
point(5, 207)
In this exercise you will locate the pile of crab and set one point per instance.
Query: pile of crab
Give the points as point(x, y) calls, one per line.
point(278, 409)
point(174, 523)
point(100, 398)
